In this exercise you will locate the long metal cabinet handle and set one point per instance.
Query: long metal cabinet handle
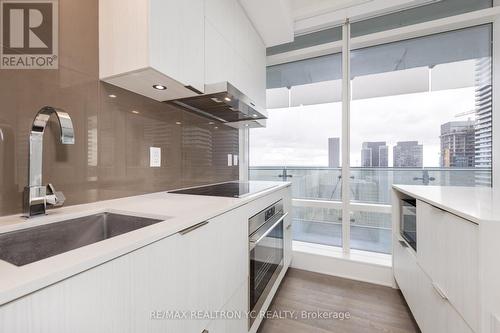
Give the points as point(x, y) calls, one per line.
point(192, 228)
point(439, 290)
point(255, 241)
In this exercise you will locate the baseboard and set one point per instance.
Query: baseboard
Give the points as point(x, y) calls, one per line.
point(359, 265)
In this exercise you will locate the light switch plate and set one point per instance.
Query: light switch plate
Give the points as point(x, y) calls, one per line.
point(229, 159)
point(235, 160)
point(154, 157)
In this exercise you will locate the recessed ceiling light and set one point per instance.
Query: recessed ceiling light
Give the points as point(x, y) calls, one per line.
point(254, 115)
point(135, 112)
point(159, 87)
point(227, 99)
point(215, 127)
point(112, 96)
point(211, 123)
point(246, 125)
point(178, 123)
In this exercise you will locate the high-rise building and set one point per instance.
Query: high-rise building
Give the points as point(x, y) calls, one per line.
point(407, 154)
point(374, 154)
point(458, 144)
point(334, 152)
point(483, 136)
point(383, 156)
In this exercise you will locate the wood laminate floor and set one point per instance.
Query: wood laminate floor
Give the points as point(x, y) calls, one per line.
point(372, 308)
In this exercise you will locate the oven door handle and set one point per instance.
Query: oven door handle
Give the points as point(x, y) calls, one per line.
point(254, 241)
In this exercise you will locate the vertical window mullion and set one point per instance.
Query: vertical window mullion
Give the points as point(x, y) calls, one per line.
point(346, 103)
point(496, 105)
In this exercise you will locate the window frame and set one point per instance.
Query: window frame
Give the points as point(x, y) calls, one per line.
point(345, 46)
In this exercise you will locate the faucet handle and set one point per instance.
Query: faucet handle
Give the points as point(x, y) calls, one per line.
point(53, 197)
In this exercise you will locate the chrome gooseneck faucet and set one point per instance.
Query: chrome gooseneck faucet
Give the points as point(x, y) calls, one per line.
point(36, 195)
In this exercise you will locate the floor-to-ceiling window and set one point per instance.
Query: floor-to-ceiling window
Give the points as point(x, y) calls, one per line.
point(302, 143)
point(421, 112)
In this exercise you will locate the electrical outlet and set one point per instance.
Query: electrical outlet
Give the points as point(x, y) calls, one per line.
point(235, 160)
point(229, 159)
point(154, 157)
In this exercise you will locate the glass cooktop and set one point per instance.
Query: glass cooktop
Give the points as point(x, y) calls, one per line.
point(234, 189)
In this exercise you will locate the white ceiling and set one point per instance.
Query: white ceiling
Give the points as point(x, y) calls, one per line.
point(278, 21)
point(272, 19)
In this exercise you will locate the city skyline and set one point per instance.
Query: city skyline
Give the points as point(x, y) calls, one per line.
point(279, 143)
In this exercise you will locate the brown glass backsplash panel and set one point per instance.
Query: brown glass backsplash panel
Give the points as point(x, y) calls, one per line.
point(111, 156)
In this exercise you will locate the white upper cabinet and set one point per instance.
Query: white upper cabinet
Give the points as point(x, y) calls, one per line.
point(148, 42)
point(180, 44)
point(234, 51)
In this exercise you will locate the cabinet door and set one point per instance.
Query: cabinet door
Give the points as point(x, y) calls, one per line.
point(229, 258)
point(192, 61)
point(216, 254)
point(431, 241)
point(461, 283)
point(232, 317)
point(405, 272)
point(447, 250)
point(219, 56)
point(432, 317)
point(177, 33)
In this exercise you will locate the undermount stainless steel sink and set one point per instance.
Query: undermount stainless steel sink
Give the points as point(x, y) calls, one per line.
point(28, 245)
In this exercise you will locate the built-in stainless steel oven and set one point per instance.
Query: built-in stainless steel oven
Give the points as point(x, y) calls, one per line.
point(266, 247)
point(408, 222)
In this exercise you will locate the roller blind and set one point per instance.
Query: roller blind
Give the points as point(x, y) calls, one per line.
point(429, 51)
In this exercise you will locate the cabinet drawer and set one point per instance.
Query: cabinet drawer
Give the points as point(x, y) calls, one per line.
point(448, 253)
point(405, 267)
point(432, 318)
point(437, 315)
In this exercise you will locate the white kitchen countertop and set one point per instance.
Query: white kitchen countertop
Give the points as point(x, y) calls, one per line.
point(179, 211)
point(477, 204)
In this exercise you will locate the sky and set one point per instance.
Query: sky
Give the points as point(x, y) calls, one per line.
point(298, 136)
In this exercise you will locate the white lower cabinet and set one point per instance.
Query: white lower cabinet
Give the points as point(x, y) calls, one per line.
point(440, 280)
point(428, 304)
point(201, 270)
point(232, 318)
point(448, 251)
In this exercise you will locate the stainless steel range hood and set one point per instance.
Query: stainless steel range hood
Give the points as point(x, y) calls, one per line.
point(223, 102)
